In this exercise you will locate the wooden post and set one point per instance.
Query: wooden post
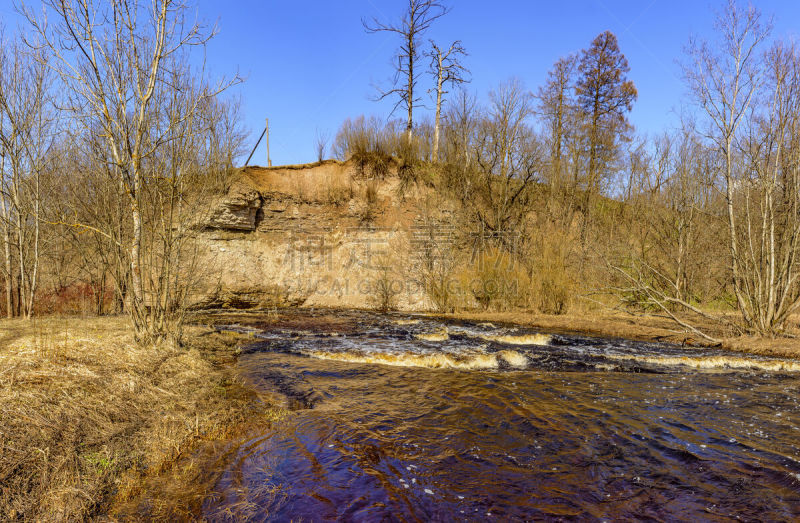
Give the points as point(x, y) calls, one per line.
point(269, 162)
point(256, 147)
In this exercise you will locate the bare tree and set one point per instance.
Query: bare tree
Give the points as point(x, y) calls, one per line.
point(508, 161)
point(122, 64)
point(5, 222)
point(224, 138)
point(669, 248)
point(461, 120)
point(557, 110)
point(767, 198)
point(321, 144)
point(25, 139)
point(417, 19)
point(726, 82)
point(447, 70)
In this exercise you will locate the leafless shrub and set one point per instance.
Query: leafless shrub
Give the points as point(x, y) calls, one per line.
point(337, 192)
point(364, 142)
point(437, 259)
point(409, 161)
point(498, 281)
point(321, 145)
point(384, 285)
point(369, 205)
point(551, 281)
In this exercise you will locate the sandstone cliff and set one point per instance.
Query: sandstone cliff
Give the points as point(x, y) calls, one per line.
point(312, 235)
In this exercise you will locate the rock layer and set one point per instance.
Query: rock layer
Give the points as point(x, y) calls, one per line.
point(287, 237)
point(237, 210)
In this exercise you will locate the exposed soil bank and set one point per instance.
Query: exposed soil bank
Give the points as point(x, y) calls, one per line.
point(642, 328)
point(93, 425)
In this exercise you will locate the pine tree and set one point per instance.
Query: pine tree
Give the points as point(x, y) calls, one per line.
point(605, 96)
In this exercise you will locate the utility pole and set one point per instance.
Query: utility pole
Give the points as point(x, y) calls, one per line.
point(269, 162)
point(264, 133)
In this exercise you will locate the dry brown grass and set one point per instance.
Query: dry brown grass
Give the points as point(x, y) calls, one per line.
point(90, 418)
point(329, 182)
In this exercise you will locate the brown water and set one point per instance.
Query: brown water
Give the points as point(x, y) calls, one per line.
point(395, 418)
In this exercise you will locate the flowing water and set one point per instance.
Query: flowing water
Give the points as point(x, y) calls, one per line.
point(404, 418)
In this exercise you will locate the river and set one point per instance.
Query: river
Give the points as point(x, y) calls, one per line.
point(408, 418)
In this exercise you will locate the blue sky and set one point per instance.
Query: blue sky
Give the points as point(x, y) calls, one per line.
point(309, 64)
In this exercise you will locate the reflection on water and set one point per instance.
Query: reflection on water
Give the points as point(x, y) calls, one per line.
point(411, 419)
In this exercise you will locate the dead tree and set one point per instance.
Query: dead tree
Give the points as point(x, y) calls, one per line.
point(417, 19)
point(448, 71)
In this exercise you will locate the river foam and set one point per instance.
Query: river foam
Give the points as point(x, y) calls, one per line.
point(410, 359)
point(518, 339)
point(441, 335)
point(714, 362)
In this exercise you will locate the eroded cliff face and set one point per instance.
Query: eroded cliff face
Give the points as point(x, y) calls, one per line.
point(237, 210)
point(307, 236)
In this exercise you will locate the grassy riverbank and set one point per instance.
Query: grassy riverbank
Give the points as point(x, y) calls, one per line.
point(92, 422)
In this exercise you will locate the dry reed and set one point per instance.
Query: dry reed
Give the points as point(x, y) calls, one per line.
point(89, 417)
